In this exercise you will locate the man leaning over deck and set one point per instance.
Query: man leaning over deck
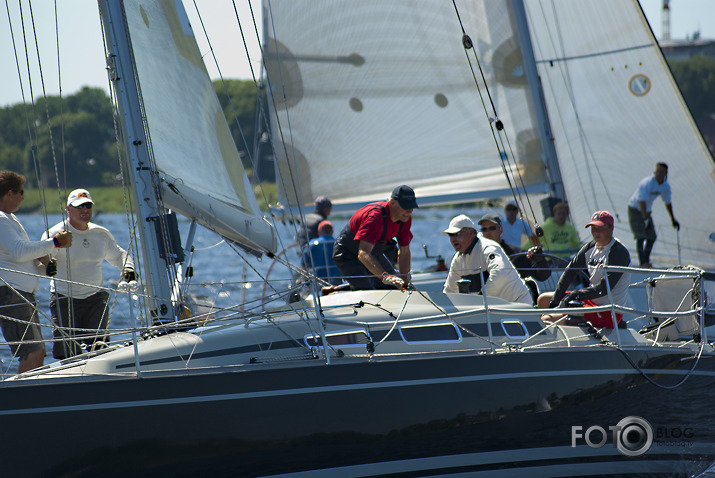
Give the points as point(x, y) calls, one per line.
point(360, 247)
point(20, 262)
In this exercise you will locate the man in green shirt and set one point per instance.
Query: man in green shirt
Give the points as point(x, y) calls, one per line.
point(560, 237)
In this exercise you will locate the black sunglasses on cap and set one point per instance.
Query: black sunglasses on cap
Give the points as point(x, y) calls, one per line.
point(87, 205)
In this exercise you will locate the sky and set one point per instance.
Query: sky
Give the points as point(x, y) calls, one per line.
point(81, 53)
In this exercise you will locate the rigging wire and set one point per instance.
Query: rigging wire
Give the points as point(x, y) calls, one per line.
point(495, 124)
point(586, 149)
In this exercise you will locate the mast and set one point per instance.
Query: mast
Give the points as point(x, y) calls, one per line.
point(532, 77)
point(151, 217)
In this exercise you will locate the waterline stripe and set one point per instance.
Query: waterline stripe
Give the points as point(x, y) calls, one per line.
point(337, 388)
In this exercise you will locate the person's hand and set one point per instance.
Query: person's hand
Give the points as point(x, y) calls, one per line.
point(676, 224)
point(394, 281)
point(63, 239)
point(128, 275)
point(535, 254)
point(51, 268)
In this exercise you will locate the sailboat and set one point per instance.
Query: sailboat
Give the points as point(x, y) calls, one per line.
point(360, 383)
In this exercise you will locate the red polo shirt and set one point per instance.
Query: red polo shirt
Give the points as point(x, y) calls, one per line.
point(367, 223)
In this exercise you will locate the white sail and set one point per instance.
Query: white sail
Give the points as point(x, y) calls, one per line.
point(202, 174)
point(373, 94)
point(616, 111)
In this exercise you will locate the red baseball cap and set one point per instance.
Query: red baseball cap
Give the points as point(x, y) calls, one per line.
point(601, 218)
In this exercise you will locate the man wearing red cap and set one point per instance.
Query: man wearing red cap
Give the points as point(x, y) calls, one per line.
point(603, 250)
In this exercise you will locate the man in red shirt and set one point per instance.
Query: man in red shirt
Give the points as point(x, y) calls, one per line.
point(360, 248)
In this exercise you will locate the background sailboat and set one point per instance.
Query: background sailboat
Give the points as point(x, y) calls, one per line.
point(392, 99)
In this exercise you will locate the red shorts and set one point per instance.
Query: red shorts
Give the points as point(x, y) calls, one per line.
point(600, 319)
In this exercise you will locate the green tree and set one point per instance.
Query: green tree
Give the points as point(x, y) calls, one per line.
point(696, 80)
point(238, 99)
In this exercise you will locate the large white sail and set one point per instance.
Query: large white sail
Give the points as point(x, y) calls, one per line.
point(202, 174)
point(372, 94)
point(616, 111)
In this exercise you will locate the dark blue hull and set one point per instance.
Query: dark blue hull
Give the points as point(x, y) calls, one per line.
point(512, 412)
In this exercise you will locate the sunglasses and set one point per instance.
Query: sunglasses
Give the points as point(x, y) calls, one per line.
point(87, 205)
point(490, 228)
point(453, 234)
point(511, 208)
point(21, 192)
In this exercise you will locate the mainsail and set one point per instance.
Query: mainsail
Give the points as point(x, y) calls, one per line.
point(202, 175)
point(615, 111)
point(372, 94)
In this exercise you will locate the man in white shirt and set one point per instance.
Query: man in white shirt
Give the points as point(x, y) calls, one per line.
point(82, 263)
point(20, 263)
point(482, 260)
point(640, 208)
point(513, 227)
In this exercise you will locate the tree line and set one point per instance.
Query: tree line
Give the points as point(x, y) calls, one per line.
point(75, 135)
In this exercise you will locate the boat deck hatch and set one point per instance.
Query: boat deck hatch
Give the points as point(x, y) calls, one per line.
point(514, 329)
point(430, 333)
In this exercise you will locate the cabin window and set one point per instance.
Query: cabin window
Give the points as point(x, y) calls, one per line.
point(347, 338)
point(430, 333)
point(514, 329)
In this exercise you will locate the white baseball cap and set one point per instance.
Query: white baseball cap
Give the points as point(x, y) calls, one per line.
point(79, 197)
point(458, 223)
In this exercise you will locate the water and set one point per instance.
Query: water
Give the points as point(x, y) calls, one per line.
point(224, 274)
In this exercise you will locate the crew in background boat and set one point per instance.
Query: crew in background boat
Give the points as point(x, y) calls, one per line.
point(480, 259)
point(514, 226)
point(640, 208)
point(603, 250)
point(360, 248)
point(319, 254)
point(20, 325)
point(82, 263)
point(560, 236)
point(309, 229)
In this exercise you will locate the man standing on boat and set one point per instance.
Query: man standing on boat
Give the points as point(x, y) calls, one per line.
point(482, 260)
point(360, 247)
point(18, 317)
point(604, 250)
point(82, 263)
point(640, 209)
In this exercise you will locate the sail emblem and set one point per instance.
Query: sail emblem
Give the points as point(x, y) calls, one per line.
point(639, 84)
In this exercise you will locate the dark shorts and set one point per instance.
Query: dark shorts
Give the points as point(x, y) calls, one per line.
point(22, 329)
point(637, 224)
point(90, 313)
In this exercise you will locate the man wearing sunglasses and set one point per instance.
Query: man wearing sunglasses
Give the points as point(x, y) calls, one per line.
point(482, 260)
point(79, 274)
point(20, 263)
point(531, 263)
